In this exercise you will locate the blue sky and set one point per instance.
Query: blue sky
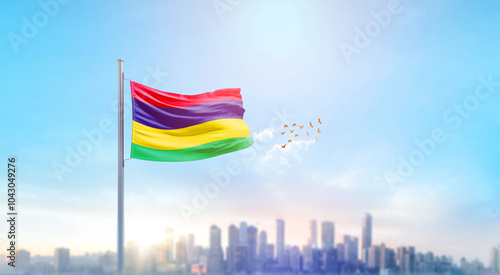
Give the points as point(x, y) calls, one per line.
point(287, 56)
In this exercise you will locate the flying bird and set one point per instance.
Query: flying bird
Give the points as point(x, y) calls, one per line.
point(308, 134)
point(286, 126)
point(282, 133)
point(319, 132)
point(296, 135)
point(310, 123)
point(289, 141)
point(291, 131)
point(301, 126)
point(283, 146)
point(295, 124)
point(319, 120)
point(317, 139)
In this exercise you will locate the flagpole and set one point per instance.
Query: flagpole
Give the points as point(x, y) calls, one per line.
point(120, 166)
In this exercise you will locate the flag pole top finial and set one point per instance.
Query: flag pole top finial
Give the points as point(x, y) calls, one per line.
point(120, 60)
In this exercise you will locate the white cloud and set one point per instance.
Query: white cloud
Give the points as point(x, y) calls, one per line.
point(346, 179)
point(289, 153)
point(264, 134)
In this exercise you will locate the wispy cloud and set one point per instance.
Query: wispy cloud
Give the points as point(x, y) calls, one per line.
point(292, 151)
point(346, 179)
point(265, 134)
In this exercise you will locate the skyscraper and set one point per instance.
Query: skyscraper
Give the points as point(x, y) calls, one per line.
point(243, 233)
point(374, 258)
point(169, 241)
point(280, 240)
point(132, 258)
point(215, 257)
point(263, 246)
point(190, 247)
point(61, 259)
point(350, 248)
point(233, 240)
point(23, 260)
point(410, 260)
point(252, 247)
point(241, 258)
point(327, 235)
point(181, 253)
point(313, 236)
point(270, 251)
point(495, 259)
point(295, 259)
point(366, 241)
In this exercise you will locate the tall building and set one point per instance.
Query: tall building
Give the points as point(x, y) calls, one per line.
point(241, 258)
point(313, 234)
point(190, 247)
point(61, 259)
point(181, 253)
point(132, 257)
point(23, 260)
point(410, 260)
point(401, 258)
point(495, 259)
point(374, 258)
point(341, 251)
point(270, 252)
point(366, 240)
point(252, 247)
point(295, 259)
point(215, 262)
point(243, 233)
point(327, 235)
point(280, 240)
point(169, 241)
point(263, 246)
point(383, 255)
point(350, 248)
point(233, 241)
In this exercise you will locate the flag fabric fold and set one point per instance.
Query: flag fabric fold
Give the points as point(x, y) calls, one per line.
point(174, 127)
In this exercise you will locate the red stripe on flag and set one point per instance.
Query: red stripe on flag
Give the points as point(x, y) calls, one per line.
point(170, 100)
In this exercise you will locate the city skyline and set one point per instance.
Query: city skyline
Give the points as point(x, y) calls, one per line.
point(249, 252)
point(234, 238)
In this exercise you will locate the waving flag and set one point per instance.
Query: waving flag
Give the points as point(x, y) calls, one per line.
point(174, 127)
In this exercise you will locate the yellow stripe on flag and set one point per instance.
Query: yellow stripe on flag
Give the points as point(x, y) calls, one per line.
point(190, 136)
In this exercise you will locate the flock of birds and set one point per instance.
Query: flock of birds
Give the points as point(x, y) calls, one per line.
point(300, 127)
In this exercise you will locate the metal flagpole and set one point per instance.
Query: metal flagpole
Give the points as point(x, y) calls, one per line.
point(120, 166)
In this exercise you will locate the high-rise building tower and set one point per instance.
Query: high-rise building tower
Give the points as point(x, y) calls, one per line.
point(243, 233)
point(23, 260)
point(366, 240)
point(252, 247)
point(181, 253)
point(61, 259)
point(495, 259)
point(215, 257)
point(169, 241)
point(233, 241)
point(313, 234)
point(374, 258)
point(190, 247)
point(241, 258)
point(350, 248)
point(263, 246)
point(327, 235)
point(280, 240)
